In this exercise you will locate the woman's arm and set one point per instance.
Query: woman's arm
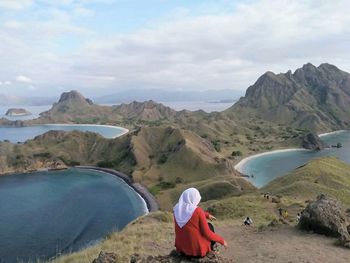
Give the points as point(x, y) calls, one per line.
point(203, 224)
point(209, 216)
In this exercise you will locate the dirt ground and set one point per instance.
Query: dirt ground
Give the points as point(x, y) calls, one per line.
point(276, 244)
point(284, 244)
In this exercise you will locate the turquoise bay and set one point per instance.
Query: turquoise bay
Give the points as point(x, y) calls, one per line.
point(48, 213)
point(264, 168)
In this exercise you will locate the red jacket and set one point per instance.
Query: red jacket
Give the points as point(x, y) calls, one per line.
point(193, 239)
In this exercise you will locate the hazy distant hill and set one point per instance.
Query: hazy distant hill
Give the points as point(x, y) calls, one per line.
point(127, 96)
point(74, 107)
point(148, 110)
point(316, 98)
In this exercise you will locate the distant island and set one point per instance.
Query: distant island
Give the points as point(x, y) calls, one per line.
point(17, 112)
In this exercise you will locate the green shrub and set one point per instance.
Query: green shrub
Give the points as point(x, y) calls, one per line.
point(167, 185)
point(105, 164)
point(236, 153)
point(162, 159)
point(42, 155)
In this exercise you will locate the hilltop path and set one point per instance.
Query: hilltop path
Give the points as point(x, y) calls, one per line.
point(283, 244)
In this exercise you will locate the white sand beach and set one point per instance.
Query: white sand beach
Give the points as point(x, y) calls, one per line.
point(124, 130)
point(240, 165)
point(330, 133)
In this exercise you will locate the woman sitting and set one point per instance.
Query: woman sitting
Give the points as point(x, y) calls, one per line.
point(193, 236)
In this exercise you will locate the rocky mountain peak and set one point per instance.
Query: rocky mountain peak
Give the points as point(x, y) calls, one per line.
point(73, 96)
point(312, 97)
point(309, 66)
point(327, 66)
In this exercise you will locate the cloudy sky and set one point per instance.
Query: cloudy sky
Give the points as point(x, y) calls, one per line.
point(102, 46)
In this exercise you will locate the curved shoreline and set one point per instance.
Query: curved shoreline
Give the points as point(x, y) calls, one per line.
point(241, 163)
point(124, 130)
point(331, 133)
point(146, 196)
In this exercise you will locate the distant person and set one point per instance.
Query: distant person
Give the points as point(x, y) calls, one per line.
point(298, 217)
point(193, 236)
point(285, 214)
point(247, 221)
point(280, 210)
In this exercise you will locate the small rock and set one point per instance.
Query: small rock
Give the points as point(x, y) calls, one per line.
point(313, 142)
point(105, 257)
point(276, 200)
point(273, 223)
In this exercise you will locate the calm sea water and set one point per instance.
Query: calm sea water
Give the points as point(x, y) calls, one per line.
point(21, 134)
point(267, 167)
point(35, 110)
point(48, 213)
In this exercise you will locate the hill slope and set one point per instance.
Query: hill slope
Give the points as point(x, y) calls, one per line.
point(327, 175)
point(246, 244)
point(165, 159)
point(74, 107)
point(258, 243)
point(315, 98)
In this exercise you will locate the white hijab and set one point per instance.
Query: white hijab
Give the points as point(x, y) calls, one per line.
point(184, 209)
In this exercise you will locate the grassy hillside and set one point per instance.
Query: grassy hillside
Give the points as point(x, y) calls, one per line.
point(227, 131)
point(324, 175)
point(143, 236)
point(171, 159)
point(165, 159)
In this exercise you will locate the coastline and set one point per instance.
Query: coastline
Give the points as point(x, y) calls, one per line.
point(17, 115)
point(124, 130)
point(330, 133)
point(142, 191)
point(241, 163)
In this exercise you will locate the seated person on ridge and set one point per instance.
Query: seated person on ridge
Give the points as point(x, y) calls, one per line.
point(193, 236)
point(247, 221)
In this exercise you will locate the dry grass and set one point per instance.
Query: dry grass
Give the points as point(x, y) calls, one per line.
point(146, 235)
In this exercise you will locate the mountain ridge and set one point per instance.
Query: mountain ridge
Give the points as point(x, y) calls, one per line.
point(315, 98)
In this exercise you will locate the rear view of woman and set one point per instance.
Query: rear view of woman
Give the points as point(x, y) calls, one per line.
point(193, 236)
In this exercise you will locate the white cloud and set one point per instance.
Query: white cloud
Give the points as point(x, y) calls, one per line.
point(224, 51)
point(0, 83)
point(13, 24)
point(32, 88)
point(204, 52)
point(7, 82)
point(23, 79)
point(15, 4)
point(82, 11)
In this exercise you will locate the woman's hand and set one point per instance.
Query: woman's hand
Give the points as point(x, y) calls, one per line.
point(225, 244)
point(211, 217)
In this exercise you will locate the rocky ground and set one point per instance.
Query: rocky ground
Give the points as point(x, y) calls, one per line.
point(247, 245)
